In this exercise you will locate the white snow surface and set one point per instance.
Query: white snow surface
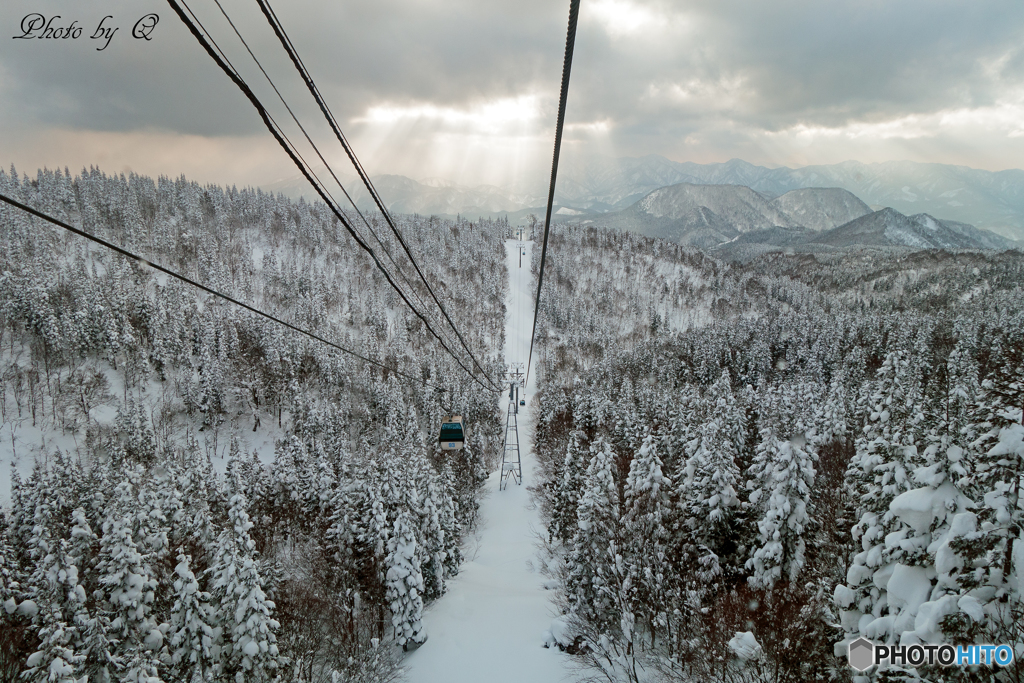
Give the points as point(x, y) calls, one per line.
point(491, 624)
point(745, 646)
point(908, 587)
point(918, 508)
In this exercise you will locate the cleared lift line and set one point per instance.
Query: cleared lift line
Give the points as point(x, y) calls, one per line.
point(178, 276)
point(489, 626)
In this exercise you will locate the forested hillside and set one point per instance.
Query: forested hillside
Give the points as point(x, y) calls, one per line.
point(800, 450)
point(215, 497)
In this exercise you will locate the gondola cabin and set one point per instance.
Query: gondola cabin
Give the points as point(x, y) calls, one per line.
point(453, 435)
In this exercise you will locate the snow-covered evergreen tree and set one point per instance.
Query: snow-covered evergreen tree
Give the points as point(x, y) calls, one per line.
point(881, 471)
point(565, 498)
point(708, 484)
point(129, 584)
point(404, 581)
point(784, 472)
point(242, 613)
point(191, 639)
point(985, 554)
point(587, 565)
point(53, 604)
point(647, 507)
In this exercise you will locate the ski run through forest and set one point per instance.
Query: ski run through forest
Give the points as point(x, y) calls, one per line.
point(490, 625)
point(731, 470)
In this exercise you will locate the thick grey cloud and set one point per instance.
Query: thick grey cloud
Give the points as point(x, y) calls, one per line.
point(359, 53)
point(705, 80)
point(823, 63)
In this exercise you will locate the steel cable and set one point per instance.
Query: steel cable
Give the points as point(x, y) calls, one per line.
point(312, 144)
point(570, 43)
point(124, 252)
point(289, 47)
point(272, 127)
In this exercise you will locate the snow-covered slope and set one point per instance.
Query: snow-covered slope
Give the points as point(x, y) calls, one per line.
point(821, 208)
point(981, 239)
point(702, 216)
point(890, 228)
point(489, 626)
point(740, 206)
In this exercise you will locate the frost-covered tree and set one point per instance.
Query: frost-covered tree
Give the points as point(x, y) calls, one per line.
point(405, 585)
point(708, 489)
point(129, 584)
point(985, 551)
point(190, 638)
point(784, 474)
point(565, 498)
point(53, 604)
point(242, 613)
point(98, 642)
point(887, 453)
point(587, 565)
point(647, 509)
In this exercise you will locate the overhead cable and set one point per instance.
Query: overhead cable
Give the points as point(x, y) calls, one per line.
point(312, 144)
point(307, 173)
point(289, 47)
point(178, 276)
point(306, 135)
point(570, 43)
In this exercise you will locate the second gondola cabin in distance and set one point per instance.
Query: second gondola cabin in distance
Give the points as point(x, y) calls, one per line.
point(453, 435)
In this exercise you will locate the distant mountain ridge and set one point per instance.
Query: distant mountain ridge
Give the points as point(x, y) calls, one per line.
point(991, 200)
point(883, 229)
point(821, 208)
point(736, 204)
point(889, 227)
point(713, 217)
point(706, 216)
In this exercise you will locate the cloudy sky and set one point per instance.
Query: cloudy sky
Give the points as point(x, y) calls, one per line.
point(466, 90)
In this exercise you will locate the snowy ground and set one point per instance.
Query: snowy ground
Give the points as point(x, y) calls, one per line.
point(490, 624)
point(22, 445)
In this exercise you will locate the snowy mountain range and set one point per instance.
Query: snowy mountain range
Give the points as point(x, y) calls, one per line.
point(886, 228)
point(986, 199)
point(598, 184)
point(889, 227)
point(706, 216)
point(731, 219)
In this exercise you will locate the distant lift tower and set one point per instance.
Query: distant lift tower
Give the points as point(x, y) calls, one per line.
point(511, 465)
point(516, 380)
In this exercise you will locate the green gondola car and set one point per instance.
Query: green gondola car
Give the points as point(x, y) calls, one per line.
point(453, 434)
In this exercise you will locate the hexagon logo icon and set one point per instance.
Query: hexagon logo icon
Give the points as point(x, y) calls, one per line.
point(861, 654)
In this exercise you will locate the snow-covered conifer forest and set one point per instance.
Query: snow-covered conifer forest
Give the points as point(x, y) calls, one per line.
point(741, 467)
point(748, 466)
point(194, 493)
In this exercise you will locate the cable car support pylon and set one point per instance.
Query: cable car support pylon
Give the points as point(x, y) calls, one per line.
point(511, 465)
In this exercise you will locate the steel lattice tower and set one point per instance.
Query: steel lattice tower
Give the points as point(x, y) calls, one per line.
point(511, 465)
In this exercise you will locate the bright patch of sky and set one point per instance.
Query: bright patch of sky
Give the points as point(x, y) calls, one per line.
point(621, 18)
point(504, 116)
